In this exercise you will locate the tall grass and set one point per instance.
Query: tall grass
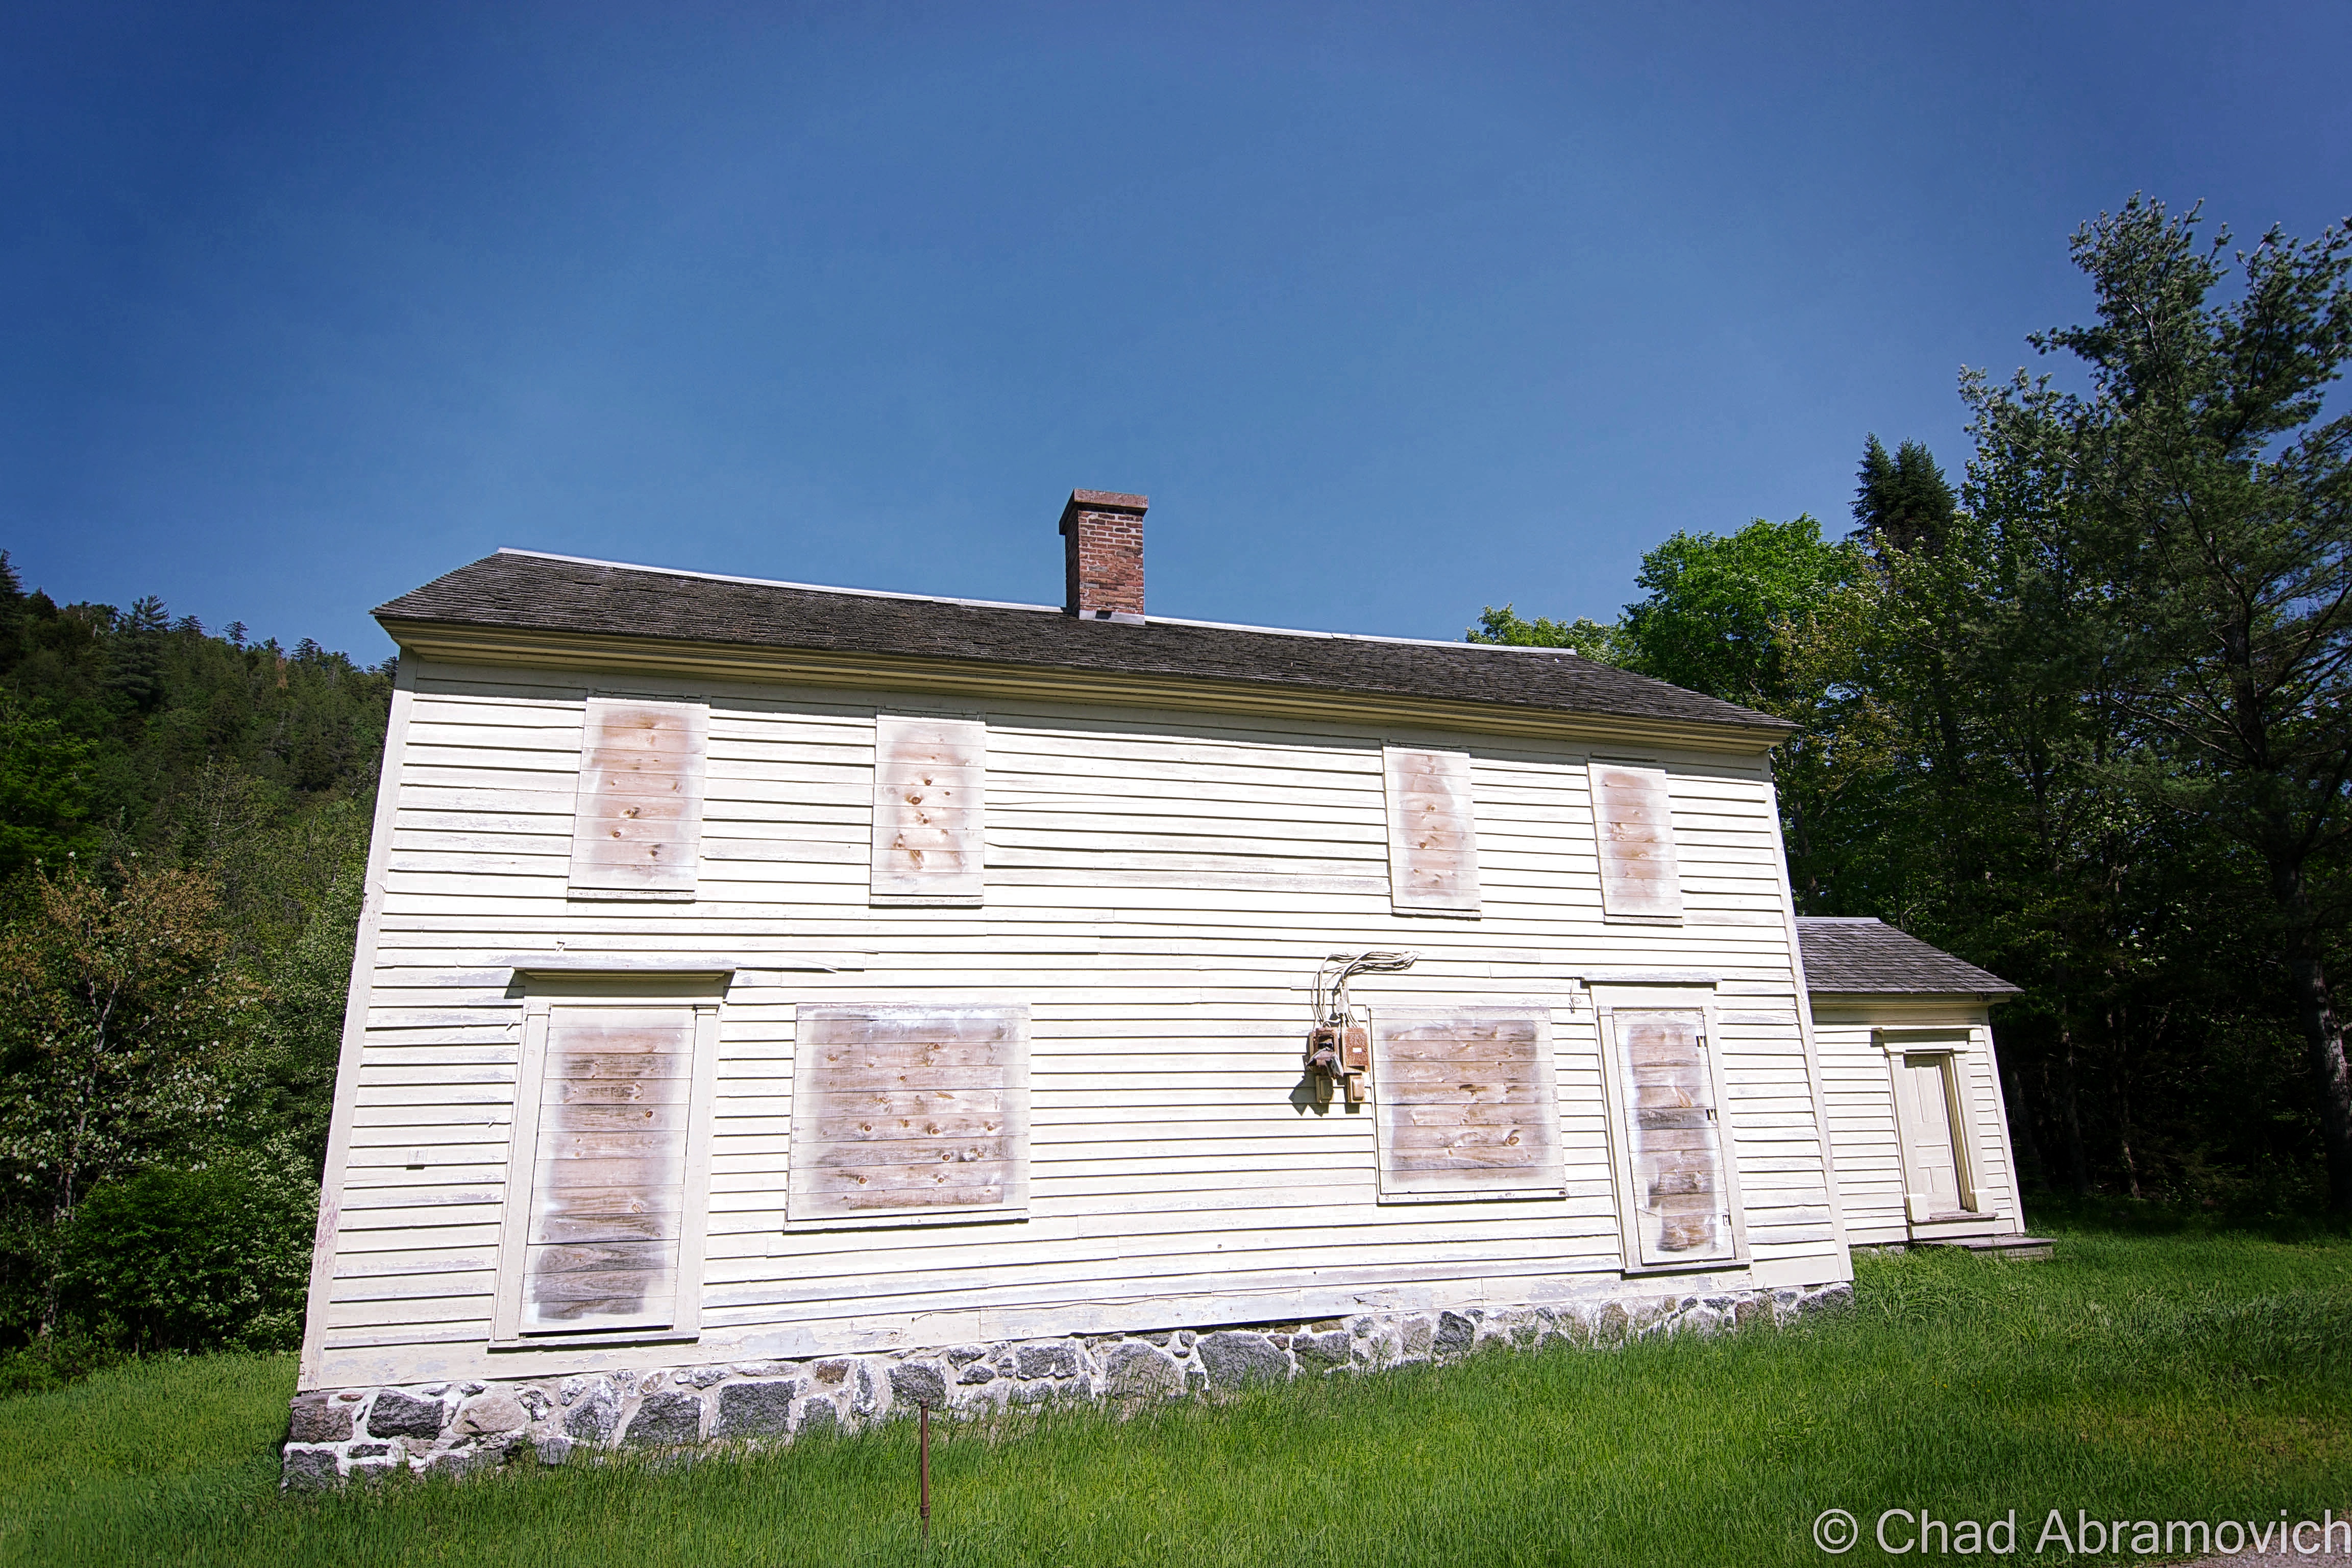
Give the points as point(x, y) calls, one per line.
point(2140, 1377)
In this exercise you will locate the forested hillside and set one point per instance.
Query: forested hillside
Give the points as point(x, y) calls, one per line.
point(184, 826)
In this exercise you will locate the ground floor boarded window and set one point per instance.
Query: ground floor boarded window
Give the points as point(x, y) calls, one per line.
point(910, 1111)
point(1465, 1105)
point(609, 1167)
point(1677, 1190)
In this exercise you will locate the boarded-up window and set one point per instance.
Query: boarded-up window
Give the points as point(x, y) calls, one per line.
point(1633, 818)
point(636, 827)
point(1680, 1197)
point(1465, 1103)
point(928, 778)
point(608, 1182)
point(909, 1108)
point(1433, 833)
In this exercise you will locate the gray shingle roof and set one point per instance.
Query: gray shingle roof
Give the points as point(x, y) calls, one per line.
point(552, 594)
point(1851, 956)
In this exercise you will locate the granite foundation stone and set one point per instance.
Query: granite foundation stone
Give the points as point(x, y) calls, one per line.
point(913, 1383)
point(492, 1413)
point(748, 1410)
point(398, 1415)
point(666, 1421)
point(317, 1418)
point(337, 1435)
point(1236, 1358)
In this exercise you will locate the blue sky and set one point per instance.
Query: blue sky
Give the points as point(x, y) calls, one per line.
point(1394, 311)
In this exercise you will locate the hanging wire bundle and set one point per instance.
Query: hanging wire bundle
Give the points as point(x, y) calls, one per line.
point(1380, 961)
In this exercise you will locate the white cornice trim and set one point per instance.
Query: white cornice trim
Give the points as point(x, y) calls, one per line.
point(456, 643)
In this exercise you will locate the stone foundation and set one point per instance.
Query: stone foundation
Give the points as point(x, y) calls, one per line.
point(459, 1427)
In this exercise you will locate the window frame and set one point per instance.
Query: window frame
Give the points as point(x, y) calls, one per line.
point(806, 1108)
point(1638, 1258)
point(703, 991)
point(1547, 1112)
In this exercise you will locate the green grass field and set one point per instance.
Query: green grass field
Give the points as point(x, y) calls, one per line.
point(2137, 1376)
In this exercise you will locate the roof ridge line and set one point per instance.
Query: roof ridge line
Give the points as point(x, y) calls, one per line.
point(1045, 609)
point(777, 582)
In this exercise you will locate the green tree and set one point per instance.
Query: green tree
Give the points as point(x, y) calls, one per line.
point(184, 1256)
point(1715, 603)
point(1903, 502)
point(1589, 637)
point(291, 895)
point(1905, 512)
point(135, 655)
point(130, 738)
point(120, 1035)
point(45, 790)
point(2204, 507)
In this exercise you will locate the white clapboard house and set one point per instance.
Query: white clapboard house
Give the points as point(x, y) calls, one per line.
point(761, 976)
point(1917, 1124)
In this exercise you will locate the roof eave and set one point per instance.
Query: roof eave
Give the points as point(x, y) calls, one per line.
point(1880, 993)
point(472, 642)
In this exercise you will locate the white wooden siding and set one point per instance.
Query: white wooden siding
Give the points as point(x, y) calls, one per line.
point(1159, 888)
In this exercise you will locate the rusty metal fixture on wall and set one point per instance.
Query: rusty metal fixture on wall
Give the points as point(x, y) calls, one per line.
point(1339, 1048)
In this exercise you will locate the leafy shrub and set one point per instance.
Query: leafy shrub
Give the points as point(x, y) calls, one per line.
point(217, 1254)
point(54, 1361)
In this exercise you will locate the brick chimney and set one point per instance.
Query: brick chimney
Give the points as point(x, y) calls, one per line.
point(1104, 552)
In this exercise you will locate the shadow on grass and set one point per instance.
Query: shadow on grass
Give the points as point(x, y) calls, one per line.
point(2051, 1211)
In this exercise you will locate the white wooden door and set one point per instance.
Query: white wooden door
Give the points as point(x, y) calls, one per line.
point(1923, 1090)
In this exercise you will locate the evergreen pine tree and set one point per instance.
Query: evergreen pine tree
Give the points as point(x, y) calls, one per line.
point(135, 655)
point(1902, 501)
point(12, 614)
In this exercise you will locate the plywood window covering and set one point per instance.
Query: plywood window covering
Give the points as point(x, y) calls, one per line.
point(1678, 1190)
point(1465, 1104)
point(609, 1167)
point(929, 779)
point(909, 1109)
point(636, 827)
point(1432, 832)
point(1633, 818)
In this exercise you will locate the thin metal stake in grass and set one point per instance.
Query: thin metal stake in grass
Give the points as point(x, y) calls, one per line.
point(923, 1463)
